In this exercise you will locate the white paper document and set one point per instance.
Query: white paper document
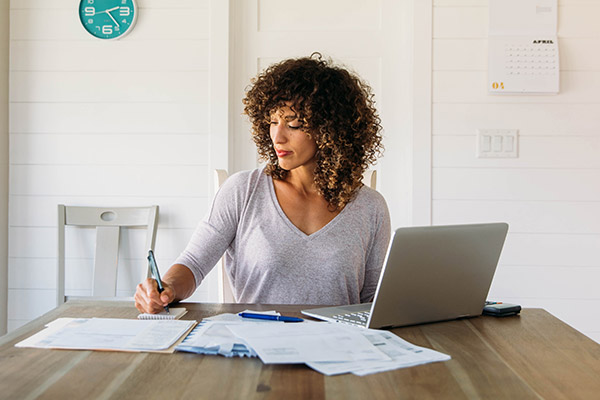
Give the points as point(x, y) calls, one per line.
point(109, 334)
point(401, 354)
point(277, 343)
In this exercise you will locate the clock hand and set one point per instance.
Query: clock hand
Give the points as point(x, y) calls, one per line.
point(111, 17)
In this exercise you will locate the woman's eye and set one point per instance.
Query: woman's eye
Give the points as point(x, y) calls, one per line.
point(295, 127)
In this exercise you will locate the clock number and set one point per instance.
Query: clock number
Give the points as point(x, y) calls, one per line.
point(124, 11)
point(107, 29)
point(89, 11)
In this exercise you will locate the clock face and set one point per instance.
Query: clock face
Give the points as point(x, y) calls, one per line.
point(107, 19)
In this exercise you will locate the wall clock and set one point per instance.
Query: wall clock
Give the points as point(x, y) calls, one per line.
point(108, 19)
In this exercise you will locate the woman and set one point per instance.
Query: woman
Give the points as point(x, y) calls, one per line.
point(302, 229)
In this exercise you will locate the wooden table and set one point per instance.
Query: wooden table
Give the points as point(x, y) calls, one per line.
point(534, 355)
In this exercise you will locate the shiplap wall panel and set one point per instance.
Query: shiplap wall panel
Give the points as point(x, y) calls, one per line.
point(575, 152)
point(155, 55)
point(105, 123)
point(33, 273)
point(80, 118)
point(31, 303)
point(175, 212)
point(523, 216)
point(516, 184)
point(81, 243)
point(537, 282)
point(109, 180)
point(122, 149)
point(548, 194)
point(471, 87)
point(531, 119)
point(109, 86)
point(551, 249)
point(460, 54)
point(40, 273)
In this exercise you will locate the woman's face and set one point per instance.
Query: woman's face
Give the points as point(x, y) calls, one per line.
point(294, 147)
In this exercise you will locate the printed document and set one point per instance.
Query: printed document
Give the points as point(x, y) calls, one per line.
point(402, 354)
point(278, 343)
point(109, 334)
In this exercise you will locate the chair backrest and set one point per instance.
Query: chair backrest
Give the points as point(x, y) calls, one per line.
point(108, 223)
point(370, 178)
point(225, 289)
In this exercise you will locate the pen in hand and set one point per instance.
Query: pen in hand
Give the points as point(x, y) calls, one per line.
point(156, 275)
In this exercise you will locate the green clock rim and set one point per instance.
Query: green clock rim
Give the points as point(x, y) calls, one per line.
point(129, 29)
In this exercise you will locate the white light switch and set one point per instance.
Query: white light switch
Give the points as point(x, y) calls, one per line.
point(497, 143)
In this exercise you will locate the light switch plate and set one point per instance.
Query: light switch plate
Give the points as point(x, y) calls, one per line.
point(497, 143)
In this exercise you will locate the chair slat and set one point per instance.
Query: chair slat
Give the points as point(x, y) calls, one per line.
point(107, 259)
point(99, 216)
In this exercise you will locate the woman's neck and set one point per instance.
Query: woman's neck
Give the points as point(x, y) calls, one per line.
point(302, 179)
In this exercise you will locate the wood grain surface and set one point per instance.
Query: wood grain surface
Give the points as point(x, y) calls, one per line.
point(533, 355)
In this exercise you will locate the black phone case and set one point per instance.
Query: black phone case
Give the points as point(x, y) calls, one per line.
point(501, 310)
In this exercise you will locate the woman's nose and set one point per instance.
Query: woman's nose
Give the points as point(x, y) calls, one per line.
point(277, 134)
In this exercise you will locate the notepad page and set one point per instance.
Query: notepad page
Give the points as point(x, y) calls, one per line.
point(175, 313)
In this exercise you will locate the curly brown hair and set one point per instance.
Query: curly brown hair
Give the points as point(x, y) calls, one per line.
point(334, 106)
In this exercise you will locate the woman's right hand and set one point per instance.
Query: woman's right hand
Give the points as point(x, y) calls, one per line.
point(147, 298)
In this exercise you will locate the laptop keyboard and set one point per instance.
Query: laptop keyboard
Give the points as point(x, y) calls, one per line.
point(355, 318)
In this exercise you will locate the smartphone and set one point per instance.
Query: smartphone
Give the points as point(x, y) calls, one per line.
point(496, 309)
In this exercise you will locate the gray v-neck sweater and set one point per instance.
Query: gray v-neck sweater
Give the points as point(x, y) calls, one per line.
point(269, 260)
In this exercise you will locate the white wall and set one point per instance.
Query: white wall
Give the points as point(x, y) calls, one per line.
point(125, 122)
point(4, 22)
point(550, 195)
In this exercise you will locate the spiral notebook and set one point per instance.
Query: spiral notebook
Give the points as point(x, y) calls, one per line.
point(175, 313)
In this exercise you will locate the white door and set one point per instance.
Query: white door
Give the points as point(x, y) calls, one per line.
point(371, 37)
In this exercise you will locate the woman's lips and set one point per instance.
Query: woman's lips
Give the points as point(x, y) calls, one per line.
point(282, 153)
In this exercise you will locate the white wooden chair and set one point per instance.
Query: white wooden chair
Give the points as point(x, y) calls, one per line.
point(108, 223)
point(225, 289)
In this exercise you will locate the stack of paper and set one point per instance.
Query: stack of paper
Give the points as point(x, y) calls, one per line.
point(328, 348)
point(401, 354)
point(109, 334)
point(215, 338)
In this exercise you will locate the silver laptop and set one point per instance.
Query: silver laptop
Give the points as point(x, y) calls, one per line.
point(432, 273)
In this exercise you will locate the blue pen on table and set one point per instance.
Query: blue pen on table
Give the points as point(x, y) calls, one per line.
point(156, 275)
point(270, 317)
